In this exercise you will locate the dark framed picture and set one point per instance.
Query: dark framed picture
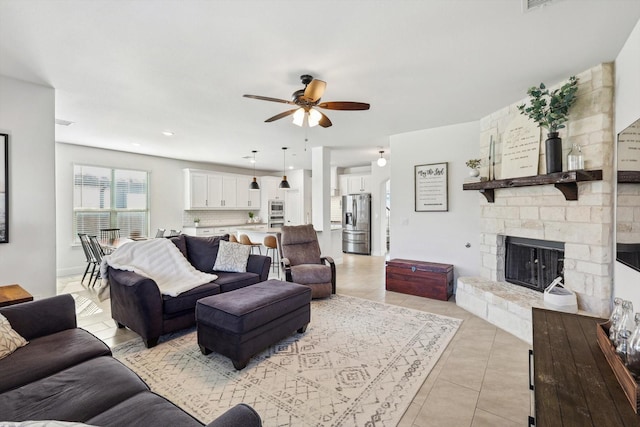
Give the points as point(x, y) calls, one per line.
point(431, 192)
point(4, 188)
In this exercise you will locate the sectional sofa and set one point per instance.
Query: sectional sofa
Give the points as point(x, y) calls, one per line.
point(136, 301)
point(65, 373)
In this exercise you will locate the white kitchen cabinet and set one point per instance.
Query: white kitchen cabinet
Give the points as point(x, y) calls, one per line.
point(196, 190)
point(200, 190)
point(359, 184)
point(343, 185)
point(246, 198)
point(270, 186)
point(222, 191)
point(199, 231)
point(209, 190)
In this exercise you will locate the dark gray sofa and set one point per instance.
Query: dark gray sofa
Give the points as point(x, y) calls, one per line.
point(65, 373)
point(136, 301)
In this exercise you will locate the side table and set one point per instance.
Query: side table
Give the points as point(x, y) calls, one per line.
point(13, 294)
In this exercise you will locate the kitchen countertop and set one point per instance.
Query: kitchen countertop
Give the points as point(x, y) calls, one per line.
point(240, 224)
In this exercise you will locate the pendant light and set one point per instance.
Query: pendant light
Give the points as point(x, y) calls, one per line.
point(382, 161)
point(284, 183)
point(254, 184)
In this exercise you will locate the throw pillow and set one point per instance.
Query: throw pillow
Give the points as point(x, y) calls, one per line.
point(10, 340)
point(232, 257)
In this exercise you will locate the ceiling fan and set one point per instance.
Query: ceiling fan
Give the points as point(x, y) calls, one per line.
point(306, 99)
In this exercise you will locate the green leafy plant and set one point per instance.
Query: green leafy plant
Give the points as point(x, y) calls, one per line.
point(550, 109)
point(196, 220)
point(251, 215)
point(473, 163)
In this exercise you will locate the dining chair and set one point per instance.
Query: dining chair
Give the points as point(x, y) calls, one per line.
point(174, 233)
point(160, 232)
point(109, 235)
point(88, 254)
point(98, 254)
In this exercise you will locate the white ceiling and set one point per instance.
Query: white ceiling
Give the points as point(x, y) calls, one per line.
point(126, 70)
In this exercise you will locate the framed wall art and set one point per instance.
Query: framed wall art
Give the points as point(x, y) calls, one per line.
point(431, 192)
point(4, 188)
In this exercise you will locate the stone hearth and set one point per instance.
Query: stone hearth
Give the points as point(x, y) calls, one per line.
point(500, 303)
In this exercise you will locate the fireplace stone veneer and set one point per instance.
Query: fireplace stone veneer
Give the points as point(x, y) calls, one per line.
point(541, 212)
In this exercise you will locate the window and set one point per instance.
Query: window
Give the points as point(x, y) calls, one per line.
point(110, 198)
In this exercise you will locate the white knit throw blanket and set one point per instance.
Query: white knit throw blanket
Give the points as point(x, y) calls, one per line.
point(159, 260)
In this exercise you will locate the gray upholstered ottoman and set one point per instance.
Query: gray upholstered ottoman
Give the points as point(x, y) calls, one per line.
point(242, 323)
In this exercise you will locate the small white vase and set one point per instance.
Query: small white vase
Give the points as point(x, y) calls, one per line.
point(474, 173)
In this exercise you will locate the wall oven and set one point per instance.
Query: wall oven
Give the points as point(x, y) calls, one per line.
point(276, 214)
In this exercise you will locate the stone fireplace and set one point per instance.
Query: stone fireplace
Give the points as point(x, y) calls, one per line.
point(541, 213)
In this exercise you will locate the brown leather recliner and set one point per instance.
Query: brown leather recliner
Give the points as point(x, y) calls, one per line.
point(302, 262)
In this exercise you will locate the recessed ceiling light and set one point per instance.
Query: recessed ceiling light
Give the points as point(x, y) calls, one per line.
point(63, 122)
point(167, 133)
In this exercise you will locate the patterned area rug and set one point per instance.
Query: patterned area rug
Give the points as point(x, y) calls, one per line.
point(84, 306)
point(360, 363)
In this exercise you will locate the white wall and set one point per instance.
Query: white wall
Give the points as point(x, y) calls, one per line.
point(379, 178)
point(627, 106)
point(27, 115)
point(166, 193)
point(436, 236)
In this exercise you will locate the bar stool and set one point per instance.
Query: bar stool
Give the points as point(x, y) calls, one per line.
point(271, 243)
point(233, 238)
point(244, 239)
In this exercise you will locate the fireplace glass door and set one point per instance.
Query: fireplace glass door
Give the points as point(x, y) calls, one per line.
point(533, 263)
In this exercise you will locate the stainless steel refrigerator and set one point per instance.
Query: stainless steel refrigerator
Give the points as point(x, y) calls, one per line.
point(356, 224)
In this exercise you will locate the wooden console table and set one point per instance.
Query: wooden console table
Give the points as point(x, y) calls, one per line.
point(573, 383)
point(13, 294)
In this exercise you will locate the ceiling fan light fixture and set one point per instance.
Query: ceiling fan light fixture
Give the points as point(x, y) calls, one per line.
point(254, 186)
point(298, 117)
point(382, 161)
point(314, 117)
point(284, 183)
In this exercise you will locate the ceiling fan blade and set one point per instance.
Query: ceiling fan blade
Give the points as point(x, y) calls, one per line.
point(324, 121)
point(266, 98)
point(281, 115)
point(344, 105)
point(314, 90)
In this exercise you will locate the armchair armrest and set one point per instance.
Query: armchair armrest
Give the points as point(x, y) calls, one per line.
point(42, 317)
point(241, 415)
point(259, 264)
point(136, 302)
point(329, 260)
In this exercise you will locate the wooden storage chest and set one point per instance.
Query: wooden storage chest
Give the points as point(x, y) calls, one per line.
point(423, 279)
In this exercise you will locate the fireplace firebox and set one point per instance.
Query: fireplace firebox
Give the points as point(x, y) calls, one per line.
point(533, 263)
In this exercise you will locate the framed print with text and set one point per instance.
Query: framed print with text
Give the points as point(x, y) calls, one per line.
point(431, 192)
point(4, 188)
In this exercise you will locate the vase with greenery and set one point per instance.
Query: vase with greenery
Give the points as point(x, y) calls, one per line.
point(196, 221)
point(473, 165)
point(550, 110)
point(251, 216)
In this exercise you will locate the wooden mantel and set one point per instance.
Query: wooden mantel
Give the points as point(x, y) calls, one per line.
point(566, 182)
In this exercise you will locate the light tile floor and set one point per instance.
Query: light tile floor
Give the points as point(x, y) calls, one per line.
point(481, 380)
